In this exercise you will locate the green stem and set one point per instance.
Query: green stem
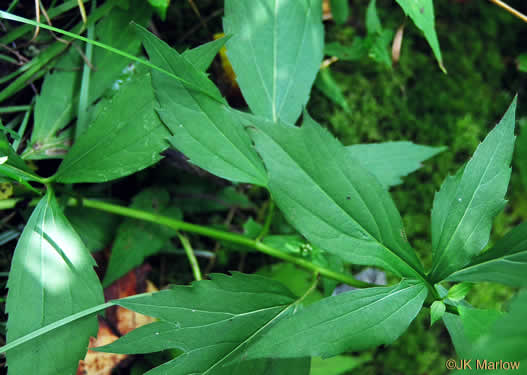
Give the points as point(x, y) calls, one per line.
point(67, 320)
point(191, 257)
point(208, 232)
point(24, 29)
point(14, 108)
point(13, 17)
point(310, 289)
point(37, 67)
point(82, 112)
point(221, 235)
point(268, 221)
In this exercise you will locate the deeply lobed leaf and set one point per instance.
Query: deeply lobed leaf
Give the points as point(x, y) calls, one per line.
point(332, 200)
point(203, 128)
point(211, 321)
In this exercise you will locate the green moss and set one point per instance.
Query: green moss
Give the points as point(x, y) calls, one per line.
point(416, 101)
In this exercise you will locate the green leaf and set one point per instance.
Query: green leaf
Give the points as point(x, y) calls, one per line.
point(137, 239)
point(297, 279)
point(437, 310)
point(126, 136)
point(405, 158)
point(506, 339)
point(331, 200)
point(459, 291)
point(201, 56)
point(205, 130)
point(115, 30)
point(95, 228)
point(379, 50)
point(13, 167)
point(13, 159)
point(160, 6)
point(275, 50)
point(487, 335)
point(330, 88)
point(51, 277)
point(422, 13)
point(351, 321)
point(54, 107)
point(267, 366)
point(58, 100)
point(340, 11)
point(373, 23)
point(193, 199)
point(505, 263)
point(338, 365)
point(521, 61)
point(521, 152)
point(468, 327)
point(467, 203)
point(212, 322)
point(355, 52)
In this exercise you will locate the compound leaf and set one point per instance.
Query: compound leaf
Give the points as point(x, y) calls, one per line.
point(275, 50)
point(51, 277)
point(212, 322)
point(351, 321)
point(204, 129)
point(126, 136)
point(467, 203)
point(505, 263)
point(405, 158)
point(330, 198)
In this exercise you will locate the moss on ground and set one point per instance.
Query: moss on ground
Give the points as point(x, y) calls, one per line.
point(416, 101)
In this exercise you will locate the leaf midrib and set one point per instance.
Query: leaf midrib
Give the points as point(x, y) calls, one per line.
point(299, 167)
point(483, 175)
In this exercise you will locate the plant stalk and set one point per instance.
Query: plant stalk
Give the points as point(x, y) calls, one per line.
point(191, 257)
point(510, 9)
point(204, 231)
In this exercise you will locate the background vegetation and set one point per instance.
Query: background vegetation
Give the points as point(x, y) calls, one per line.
point(413, 100)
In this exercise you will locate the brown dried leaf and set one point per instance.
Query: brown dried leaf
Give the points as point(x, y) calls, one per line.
point(96, 363)
point(397, 44)
point(326, 11)
point(123, 320)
